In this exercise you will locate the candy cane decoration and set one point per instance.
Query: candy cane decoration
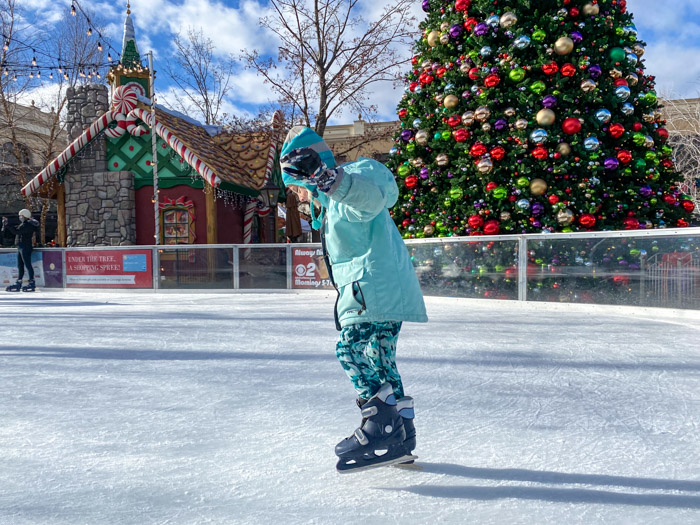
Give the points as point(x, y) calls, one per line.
point(115, 133)
point(193, 160)
point(250, 208)
point(78, 144)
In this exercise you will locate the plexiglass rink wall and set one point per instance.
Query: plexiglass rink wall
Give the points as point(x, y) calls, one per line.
point(658, 268)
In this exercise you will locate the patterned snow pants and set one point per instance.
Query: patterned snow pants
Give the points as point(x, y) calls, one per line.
point(367, 353)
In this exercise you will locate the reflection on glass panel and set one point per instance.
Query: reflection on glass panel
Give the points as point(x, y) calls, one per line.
point(194, 268)
point(262, 268)
point(476, 269)
point(635, 271)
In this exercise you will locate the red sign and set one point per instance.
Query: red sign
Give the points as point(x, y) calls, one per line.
point(109, 269)
point(309, 269)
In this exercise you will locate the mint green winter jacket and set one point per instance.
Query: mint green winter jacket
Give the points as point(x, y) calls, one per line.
point(370, 264)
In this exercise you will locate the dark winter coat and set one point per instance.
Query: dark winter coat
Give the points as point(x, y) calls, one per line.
point(25, 232)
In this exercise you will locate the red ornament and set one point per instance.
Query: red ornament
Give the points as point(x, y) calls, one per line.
point(624, 156)
point(478, 149)
point(663, 134)
point(441, 71)
point(402, 113)
point(474, 73)
point(688, 206)
point(553, 199)
point(491, 227)
point(550, 69)
point(454, 121)
point(616, 130)
point(470, 23)
point(412, 86)
point(667, 163)
point(492, 80)
point(540, 153)
point(630, 223)
point(460, 135)
point(462, 5)
point(621, 82)
point(568, 70)
point(682, 223)
point(571, 126)
point(587, 220)
point(669, 199)
point(405, 223)
point(574, 11)
point(491, 186)
point(411, 181)
point(498, 153)
point(475, 221)
point(637, 126)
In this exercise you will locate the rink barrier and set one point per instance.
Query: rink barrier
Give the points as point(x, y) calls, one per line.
point(657, 268)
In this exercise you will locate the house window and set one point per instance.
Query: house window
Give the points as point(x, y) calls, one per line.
point(177, 221)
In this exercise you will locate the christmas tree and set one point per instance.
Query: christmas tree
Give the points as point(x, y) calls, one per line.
point(527, 116)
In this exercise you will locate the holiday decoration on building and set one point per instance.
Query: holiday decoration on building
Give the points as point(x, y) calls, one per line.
point(532, 116)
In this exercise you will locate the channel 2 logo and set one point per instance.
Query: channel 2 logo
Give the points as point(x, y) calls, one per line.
point(305, 270)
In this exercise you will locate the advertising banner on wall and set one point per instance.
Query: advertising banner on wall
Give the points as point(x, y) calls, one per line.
point(309, 269)
point(9, 271)
point(109, 269)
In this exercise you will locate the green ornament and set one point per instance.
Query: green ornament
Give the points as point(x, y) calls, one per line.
point(437, 136)
point(500, 193)
point(404, 170)
point(640, 164)
point(650, 156)
point(411, 147)
point(617, 54)
point(635, 252)
point(456, 193)
point(539, 35)
point(653, 200)
point(639, 139)
point(538, 87)
point(446, 134)
point(447, 203)
point(523, 182)
point(567, 230)
point(650, 98)
point(517, 74)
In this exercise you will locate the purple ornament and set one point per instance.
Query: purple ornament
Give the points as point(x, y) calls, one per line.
point(426, 5)
point(537, 208)
point(576, 37)
point(406, 135)
point(481, 29)
point(500, 124)
point(424, 173)
point(535, 224)
point(645, 191)
point(611, 163)
point(595, 71)
point(549, 101)
point(455, 30)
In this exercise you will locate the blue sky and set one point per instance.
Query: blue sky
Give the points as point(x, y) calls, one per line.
point(671, 30)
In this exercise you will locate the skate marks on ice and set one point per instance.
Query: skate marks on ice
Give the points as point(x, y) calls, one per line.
point(650, 492)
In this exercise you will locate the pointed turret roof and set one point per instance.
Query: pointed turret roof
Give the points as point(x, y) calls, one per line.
point(130, 50)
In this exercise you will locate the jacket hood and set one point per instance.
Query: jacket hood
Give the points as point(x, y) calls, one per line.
point(303, 137)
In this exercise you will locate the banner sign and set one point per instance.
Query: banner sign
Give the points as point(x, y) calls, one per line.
point(9, 271)
point(109, 269)
point(309, 269)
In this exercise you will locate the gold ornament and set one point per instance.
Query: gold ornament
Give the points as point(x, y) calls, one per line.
point(591, 9)
point(450, 101)
point(442, 160)
point(433, 38)
point(546, 117)
point(615, 73)
point(429, 229)
point(444, 26)
point(632, 79)
point(468, 118)
point(417, 162)
point(482, 113)
point(434, 190)
point(439, 97)
point(638, 50)
point(509, 112)
point(564, 149)
point(565, 217)
point(648, 117)
point(444, 38)
point(538, 186)
point(486, 127)
point(464, 67)
point(505, 215)
point(588, 85)
point(521, 124)
point(648, 142)
point(508, 19)
point(564, 46)
point(422, 137)
point(484, 166)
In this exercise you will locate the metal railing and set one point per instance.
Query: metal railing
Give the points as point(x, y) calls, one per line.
point(639, 268)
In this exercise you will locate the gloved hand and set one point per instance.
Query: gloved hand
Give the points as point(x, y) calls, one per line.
point(305, 165)
point(4, 222)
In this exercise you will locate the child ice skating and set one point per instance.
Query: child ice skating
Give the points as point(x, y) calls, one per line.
point(377, 290)
point(25, 232)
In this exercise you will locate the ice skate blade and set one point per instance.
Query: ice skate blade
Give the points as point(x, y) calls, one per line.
point(408, 466)
point(387, 463)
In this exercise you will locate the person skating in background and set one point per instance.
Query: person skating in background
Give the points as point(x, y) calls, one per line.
point(25, 232)
point(377, 290)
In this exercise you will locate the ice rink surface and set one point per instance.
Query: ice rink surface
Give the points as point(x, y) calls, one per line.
point(142, 408)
